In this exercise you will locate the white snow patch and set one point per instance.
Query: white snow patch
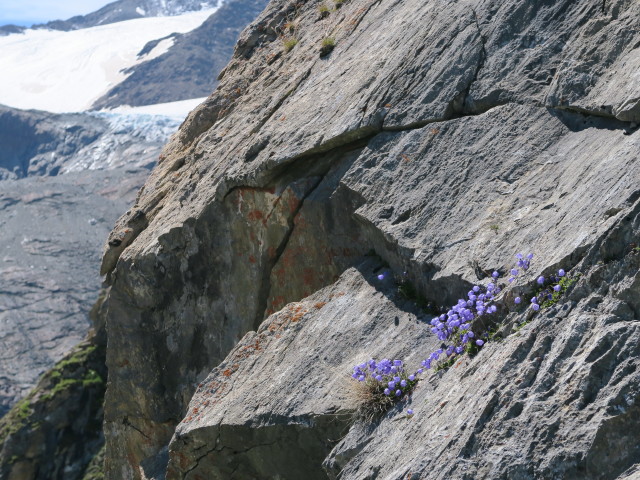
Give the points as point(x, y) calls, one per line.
point(163, 46)
point(175, 110)
point(140, 11)
point(68, 71)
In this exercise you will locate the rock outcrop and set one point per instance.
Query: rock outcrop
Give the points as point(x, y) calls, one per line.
point(441, 137)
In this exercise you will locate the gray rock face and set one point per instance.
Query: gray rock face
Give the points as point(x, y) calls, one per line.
point(557, 399)
point(442, 137)
point(287, 425)
point(190, 67)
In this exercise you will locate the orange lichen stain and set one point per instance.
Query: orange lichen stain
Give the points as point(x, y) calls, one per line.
point(293, 203)
point(227, 372)
point(298, 316)
point(252, 259)
point(405, 158)
point(300, 221)
point(255, 215)
point(279, 300)
point(195, 410)
point(434, 131)
point(272, 252)
point(308, 276)
point(319, 305)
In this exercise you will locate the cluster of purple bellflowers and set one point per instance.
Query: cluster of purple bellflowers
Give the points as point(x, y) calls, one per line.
point(460, 329)
point(388, 377)
point(456, 327)
point(548, 287)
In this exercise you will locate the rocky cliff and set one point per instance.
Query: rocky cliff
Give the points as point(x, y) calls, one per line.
point(427, 141)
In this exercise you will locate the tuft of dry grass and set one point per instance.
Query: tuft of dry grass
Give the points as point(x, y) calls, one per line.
point(370, 398)
point(289, 43)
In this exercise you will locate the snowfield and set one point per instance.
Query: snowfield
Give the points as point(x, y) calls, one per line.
point(175, 110)
point(68, 71)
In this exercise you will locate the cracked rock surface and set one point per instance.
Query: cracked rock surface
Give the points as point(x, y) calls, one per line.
point(442, 137)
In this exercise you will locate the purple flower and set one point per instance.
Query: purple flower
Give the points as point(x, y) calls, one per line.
point(535, 306)
point(495, 274)
point(409, 412)
point(556, 288)
point(387, 391)
point(514, 271)
point(476, 288)
point(392, 384)
point(379, 378)
point(479, 342)
point(530, 256)
point(403, 383)
point(419, 370)
point(561, 273)
point(517, 300)
point(519, 256)
point(397, 363)
point(398, 393)
point(534, 300)
point(381, 276)
point(540, 280)
point(412, 378)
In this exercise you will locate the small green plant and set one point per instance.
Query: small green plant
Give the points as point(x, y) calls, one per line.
point(323, 10)
point(289, 43)
point(554, 294)
point(494, 227)
point(327, 45)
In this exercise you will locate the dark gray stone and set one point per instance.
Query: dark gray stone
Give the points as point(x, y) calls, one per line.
point(434, 135)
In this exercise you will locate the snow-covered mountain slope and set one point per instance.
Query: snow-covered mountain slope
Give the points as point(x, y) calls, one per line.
point(68, 71)
point(190, 67)
point(120, 11)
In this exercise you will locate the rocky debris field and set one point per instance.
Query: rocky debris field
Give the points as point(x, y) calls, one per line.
point(51, 229)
